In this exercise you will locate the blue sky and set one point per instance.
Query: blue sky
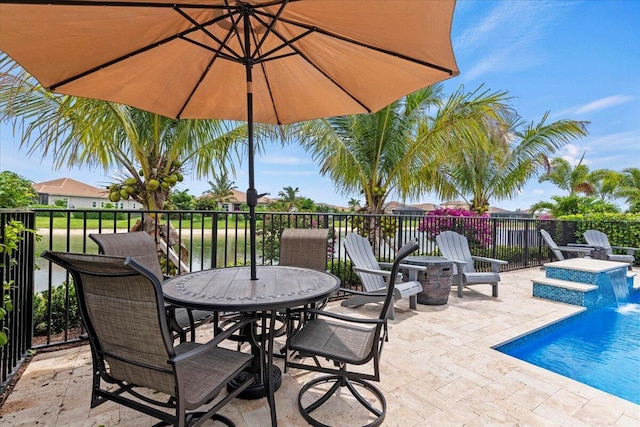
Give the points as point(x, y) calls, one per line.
point(577, 60)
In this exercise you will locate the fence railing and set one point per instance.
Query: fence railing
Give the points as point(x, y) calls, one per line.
point(16, 269)
point(49, 315)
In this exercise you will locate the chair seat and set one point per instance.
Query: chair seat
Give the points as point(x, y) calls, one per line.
point(336, 340)
point(208, 371)
point(199, 316)
point(407, 289)
point(480, 277)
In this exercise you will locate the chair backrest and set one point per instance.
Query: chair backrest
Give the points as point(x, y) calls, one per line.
point(455, 246)
point(137, 244)
point(122, 307)
point(304, 247)
point(361, 255)
point(406, 250)
point(551, 244)
point(598, 238)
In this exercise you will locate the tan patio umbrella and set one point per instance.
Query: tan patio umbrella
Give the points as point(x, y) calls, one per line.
point(266, 61)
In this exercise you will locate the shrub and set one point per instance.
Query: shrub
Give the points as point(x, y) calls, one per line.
point(476, 228)
point(58, 309)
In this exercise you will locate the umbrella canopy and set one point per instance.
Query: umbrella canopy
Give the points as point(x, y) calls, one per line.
point(267, 61)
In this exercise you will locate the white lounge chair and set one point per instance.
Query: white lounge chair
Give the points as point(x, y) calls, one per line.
point(558, 250)
point(372, 275)
point(455, 247)
point(598, 239)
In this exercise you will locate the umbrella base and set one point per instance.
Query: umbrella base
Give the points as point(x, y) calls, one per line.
point(256, 390)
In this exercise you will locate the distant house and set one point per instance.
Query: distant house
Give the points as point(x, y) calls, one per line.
point(238, 199)
point(77, 195)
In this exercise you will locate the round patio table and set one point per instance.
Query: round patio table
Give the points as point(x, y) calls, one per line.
point(231, 289)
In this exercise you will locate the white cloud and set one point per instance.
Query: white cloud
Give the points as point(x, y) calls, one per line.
point(505, 38)
point(597, 105)
point(603, 103)
point(538, 192)
point(573, 154)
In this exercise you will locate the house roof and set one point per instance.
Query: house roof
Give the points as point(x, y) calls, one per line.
point(69, 187)
point(240, 197)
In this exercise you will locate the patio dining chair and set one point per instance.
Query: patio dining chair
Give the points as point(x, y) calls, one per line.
point(142, 247)
point(559, 251)
point(373, 275)
point(455, 247)
point(134, 360)
point(345, 342)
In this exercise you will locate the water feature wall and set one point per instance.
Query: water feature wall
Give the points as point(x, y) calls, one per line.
point(585, 282)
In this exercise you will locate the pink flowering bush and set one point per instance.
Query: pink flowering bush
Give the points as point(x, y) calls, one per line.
point(476, 228)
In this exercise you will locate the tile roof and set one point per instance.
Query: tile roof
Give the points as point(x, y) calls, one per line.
point(69, 187)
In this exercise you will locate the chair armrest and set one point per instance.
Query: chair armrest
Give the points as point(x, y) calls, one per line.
point(574, 249)
point(495, 263)
point(585, 245)
point(351, 291)
point(372, 271)
point(346, 318)
point(630, 251)
point(213, 343)
point(491, 260)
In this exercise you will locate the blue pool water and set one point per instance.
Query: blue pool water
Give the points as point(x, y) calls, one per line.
point(600, 348)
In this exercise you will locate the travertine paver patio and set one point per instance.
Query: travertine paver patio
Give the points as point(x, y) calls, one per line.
point(438, 369)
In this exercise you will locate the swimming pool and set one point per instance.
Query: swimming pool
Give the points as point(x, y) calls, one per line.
point(599, 347)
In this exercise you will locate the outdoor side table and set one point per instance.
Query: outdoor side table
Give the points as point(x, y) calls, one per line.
point(436, 280)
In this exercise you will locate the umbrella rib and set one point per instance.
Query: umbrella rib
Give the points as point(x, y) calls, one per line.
point(201, 27)
point(368, 46)
point(320, 70)
point(136, 52)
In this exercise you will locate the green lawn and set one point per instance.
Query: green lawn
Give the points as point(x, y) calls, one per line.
point(43, 223)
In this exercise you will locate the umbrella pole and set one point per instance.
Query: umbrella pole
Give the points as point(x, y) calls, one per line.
point(252, 194)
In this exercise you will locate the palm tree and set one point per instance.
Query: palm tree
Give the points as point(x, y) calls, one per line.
point(630, 188)
point(151, 151)
point(502, 158)
point(569, 178)
point(221, 189)
point(289, 197)
point(353, 204)
point(396, 150)
point(606, 183)
point(574, 204)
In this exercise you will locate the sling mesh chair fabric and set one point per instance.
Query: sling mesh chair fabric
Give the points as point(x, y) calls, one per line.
point(122, 307)
point(455, 247)
point(344, 341)
point(142, 247)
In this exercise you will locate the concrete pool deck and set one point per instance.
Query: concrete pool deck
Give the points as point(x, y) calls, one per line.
point(438, 369)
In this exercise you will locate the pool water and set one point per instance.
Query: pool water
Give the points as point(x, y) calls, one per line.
point(600, 348)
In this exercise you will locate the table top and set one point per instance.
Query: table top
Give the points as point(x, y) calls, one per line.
point(231, 289)
point(426, 260)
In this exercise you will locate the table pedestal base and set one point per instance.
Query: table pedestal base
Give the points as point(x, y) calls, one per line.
point(256, 390)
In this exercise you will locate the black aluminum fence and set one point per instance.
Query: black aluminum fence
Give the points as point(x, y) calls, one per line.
point(16, 269)
point(220, 239)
